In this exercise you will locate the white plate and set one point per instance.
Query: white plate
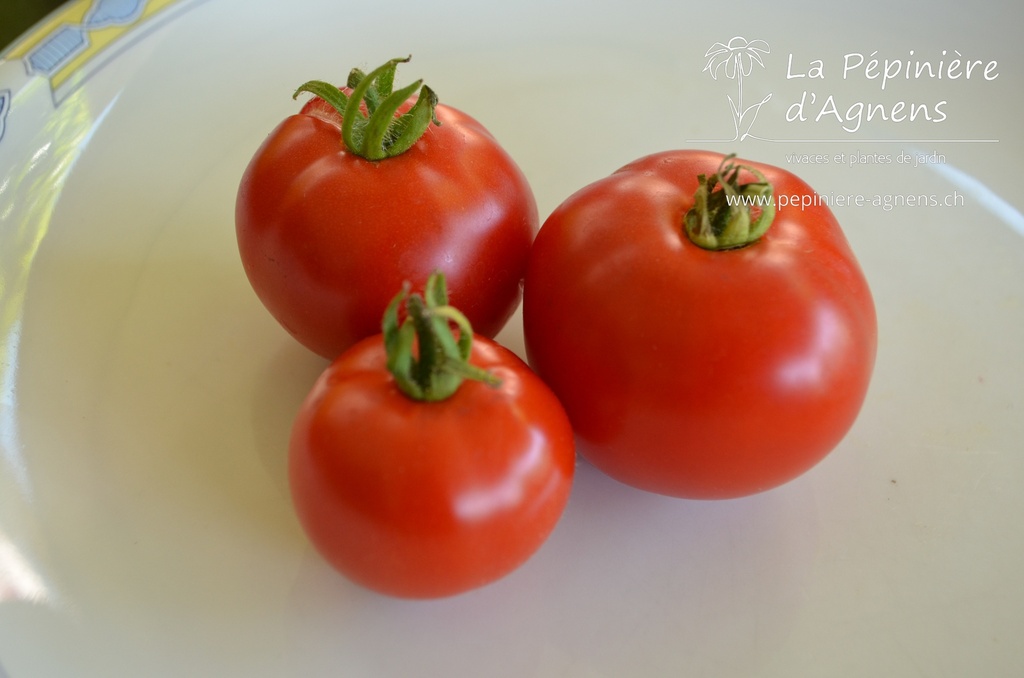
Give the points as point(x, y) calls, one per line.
point(146, 397)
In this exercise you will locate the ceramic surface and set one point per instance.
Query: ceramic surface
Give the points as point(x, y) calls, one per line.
point(146, 396)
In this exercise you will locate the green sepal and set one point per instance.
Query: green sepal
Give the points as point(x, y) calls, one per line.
point(721, 219)
point(378, 133)
point(428, 361)
point(326, 91)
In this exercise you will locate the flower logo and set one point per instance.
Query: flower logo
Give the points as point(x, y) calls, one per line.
point(737, 58)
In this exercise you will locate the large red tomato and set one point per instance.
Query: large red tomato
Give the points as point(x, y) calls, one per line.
point(327, 229)
point(418, 482)
point(695, 372)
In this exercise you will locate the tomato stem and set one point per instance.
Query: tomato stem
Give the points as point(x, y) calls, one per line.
point(428, 361)
point(722, 219)
point(377, 133)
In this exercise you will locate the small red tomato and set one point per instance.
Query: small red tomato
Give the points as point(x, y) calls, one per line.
point(693, 371)
point(366, 188)
point(426, 477)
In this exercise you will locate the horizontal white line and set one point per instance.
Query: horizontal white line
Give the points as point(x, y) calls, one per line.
point(855, 141)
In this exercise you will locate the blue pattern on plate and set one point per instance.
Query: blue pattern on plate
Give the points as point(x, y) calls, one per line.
point(68, 41)
point(113, 12)
point(51, 54)
point(62, 45)
point(5, 105)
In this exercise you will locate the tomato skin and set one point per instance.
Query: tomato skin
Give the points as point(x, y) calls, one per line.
point(325, 236)
point(425, 500)
point(695, 373)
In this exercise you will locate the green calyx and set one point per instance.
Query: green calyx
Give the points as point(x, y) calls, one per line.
point(377, 133)
point(722, 219)
point(428, 361)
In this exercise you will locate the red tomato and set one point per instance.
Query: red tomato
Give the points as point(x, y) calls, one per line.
point(326, 236)
point(690, 372)
point(429, 499)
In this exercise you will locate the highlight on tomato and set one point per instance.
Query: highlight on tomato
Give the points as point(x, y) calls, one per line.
point(703, 343)
point(428, 461)
point(368, 186)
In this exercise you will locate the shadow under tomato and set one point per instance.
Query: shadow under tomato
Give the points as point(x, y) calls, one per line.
point(665, 586)
point(283, 383)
